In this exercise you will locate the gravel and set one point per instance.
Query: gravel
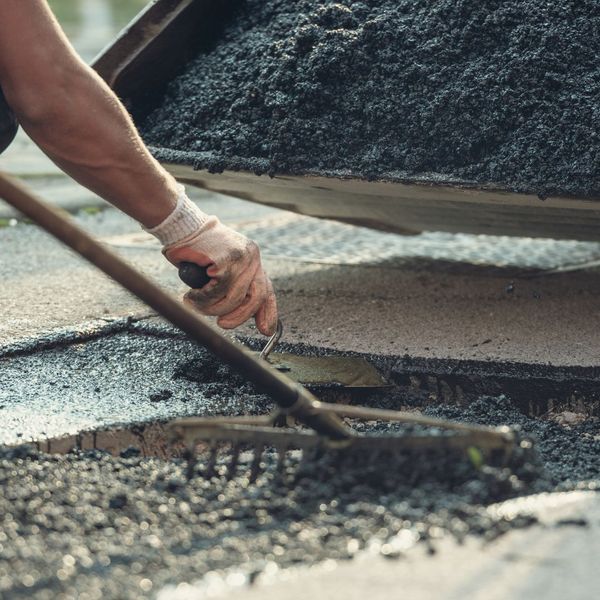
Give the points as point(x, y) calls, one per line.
point(485, 91)
point(88, 525)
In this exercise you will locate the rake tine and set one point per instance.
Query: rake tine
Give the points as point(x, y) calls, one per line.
point(318, 452)
point(415, 475)
point(255, 467)
point(281, 451)
point(190, 456)
point(209, 471)
point(235, 457)
point(307, 455)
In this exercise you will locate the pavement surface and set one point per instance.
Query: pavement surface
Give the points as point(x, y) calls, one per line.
point(339, 286)
point(532, 563)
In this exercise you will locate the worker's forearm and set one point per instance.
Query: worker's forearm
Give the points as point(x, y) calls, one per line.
point(74, 117)
point(86, 131)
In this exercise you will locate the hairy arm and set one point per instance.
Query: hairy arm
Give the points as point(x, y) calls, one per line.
point(74, 117)
point(81, 125)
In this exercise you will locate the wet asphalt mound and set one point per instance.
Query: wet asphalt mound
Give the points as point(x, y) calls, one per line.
point(483, 91)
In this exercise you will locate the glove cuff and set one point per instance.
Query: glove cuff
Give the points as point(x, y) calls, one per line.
point(185, 220)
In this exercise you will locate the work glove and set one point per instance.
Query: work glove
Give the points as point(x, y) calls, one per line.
point(239, 287)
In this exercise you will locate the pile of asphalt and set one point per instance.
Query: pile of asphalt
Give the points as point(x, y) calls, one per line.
point(90, 525)
point(490, 92)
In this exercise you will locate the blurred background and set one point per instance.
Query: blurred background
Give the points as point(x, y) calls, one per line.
point(90, 24)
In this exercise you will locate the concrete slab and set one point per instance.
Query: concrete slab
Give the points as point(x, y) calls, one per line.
point(401, 302)
point(427, 309)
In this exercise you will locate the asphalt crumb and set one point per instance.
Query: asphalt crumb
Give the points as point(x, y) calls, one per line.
point(161, 396)
point(91, 525)
point(96, 526)
point(448, 90)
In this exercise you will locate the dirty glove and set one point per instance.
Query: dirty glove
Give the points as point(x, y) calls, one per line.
point(239, 288)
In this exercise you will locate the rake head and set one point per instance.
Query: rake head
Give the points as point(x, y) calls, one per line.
point(231, 444)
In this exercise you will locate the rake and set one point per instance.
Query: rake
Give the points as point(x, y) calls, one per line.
point(327, 429)
point(256, 434)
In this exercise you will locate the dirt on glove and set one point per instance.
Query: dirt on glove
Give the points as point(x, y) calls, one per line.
point(487, 91)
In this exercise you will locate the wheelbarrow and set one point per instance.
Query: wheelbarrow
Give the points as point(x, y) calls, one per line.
point(151, 50)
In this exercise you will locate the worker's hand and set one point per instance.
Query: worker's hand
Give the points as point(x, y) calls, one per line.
point(239, 288)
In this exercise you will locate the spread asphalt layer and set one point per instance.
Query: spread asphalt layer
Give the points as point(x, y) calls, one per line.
point(94, 526)
point(126, 373)
point(481, 91)
point(117, 379)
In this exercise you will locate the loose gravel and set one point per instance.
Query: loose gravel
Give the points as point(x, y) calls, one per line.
point(473, 90)
point(88, 525)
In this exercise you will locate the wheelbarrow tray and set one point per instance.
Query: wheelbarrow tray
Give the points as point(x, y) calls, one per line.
point(164, 36)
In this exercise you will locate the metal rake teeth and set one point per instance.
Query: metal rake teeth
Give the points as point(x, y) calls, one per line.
point(212, 467)
point(226, 460)
point(240, 435)
point(231, 448)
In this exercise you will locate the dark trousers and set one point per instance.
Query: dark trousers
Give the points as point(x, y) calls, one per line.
point(8, 124)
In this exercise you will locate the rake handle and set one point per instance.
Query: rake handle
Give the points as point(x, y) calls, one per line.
point(193, 275)
point(283, 391)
